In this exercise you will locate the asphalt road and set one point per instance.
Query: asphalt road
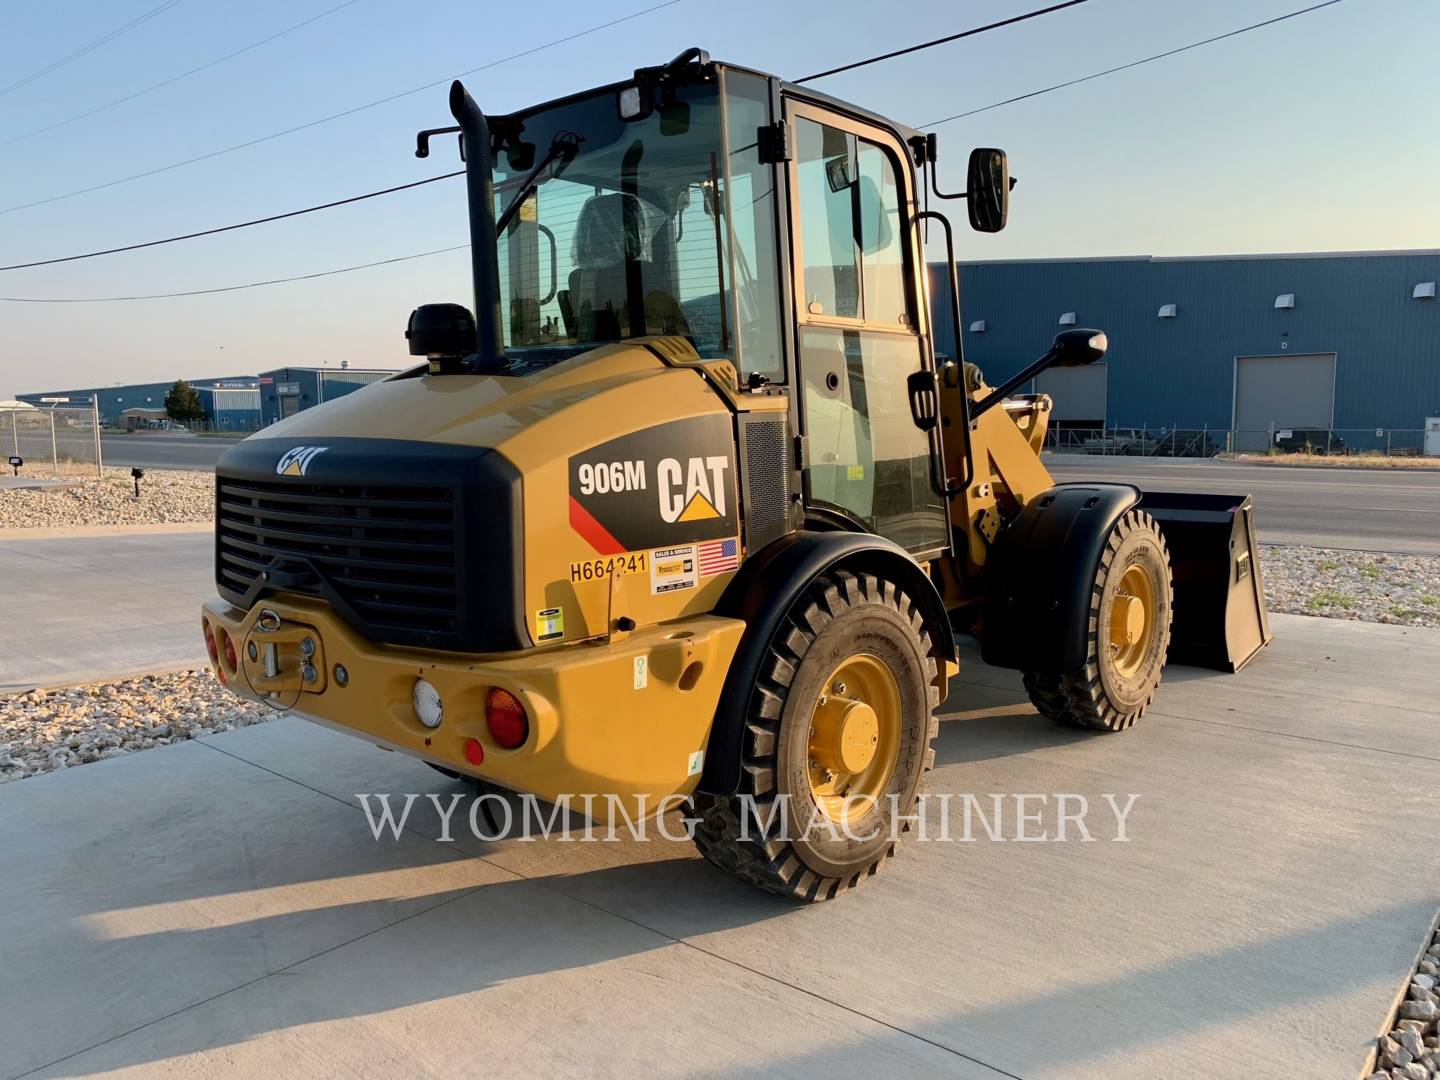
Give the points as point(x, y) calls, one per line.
point(1367, 509)
point(157, 450)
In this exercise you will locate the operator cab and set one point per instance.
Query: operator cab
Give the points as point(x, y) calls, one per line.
point(764, 223)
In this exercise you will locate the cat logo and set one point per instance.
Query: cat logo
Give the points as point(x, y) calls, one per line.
point(695, 492)
point(296, 461)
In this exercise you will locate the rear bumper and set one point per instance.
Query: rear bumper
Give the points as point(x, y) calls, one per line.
point(629, 717)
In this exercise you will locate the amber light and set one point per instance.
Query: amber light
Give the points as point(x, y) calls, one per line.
point(506, 719)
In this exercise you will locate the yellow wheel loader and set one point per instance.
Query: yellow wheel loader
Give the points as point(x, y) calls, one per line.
point(689, 509)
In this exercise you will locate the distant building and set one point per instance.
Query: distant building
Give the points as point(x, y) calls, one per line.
point(286, 391)
point(139, 419)
point(1253, 344)
point(232, 408)
point(114, 400)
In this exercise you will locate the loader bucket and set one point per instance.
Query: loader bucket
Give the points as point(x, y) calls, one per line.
point(1219, 619)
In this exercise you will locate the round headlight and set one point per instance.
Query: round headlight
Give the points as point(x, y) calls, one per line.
point(428, 706)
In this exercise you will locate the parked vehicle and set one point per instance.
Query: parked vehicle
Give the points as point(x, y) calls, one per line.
point(1320, 441)
point(1134, 441)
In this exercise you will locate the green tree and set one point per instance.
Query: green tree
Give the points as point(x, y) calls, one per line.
point(183, 403)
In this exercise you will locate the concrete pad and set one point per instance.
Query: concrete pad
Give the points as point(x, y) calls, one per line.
point(1278, 876)
point(33, 483)
point(85, 608)
point(146, 884)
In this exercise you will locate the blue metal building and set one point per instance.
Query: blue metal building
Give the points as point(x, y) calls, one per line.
point(1347, 341)
point(286, 391)
point(232, 406)
point(114, 400)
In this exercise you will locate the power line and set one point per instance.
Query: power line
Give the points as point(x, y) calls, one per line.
point(939, 41)
point(447, 176)
point(111, 36)
point(183, 75)
point(333, 116)
point(225, 288)
point(240, 224)
point(402, 187)
point(1133, 63)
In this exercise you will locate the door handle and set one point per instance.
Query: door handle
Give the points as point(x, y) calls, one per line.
point(924, 399)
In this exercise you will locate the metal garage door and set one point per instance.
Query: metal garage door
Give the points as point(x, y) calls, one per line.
point(1078, 393)
point(1275, 392)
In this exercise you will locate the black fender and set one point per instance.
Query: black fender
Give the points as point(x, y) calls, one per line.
point(1039, 573)
point(768, 585)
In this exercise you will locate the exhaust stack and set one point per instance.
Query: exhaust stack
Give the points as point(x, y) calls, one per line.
point(484, 250)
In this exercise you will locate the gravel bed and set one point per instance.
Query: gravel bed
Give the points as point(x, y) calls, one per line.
point(1338, 584)
point(45, 730)
point(1411, 1050)
point(167, 496)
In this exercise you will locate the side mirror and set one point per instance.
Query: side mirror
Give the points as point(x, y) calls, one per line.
point(987, 190)
point(1076, 348)
point(441, 331)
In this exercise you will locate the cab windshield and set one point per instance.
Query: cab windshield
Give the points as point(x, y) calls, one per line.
point(630, 231)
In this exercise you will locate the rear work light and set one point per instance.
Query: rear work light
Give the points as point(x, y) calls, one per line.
point(506, 719)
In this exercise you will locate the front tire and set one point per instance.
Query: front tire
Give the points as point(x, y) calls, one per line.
point(1127, 635)
point(836, 743)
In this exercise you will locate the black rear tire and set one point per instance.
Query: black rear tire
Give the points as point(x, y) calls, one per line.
point(841, 616)
point(1105, 695)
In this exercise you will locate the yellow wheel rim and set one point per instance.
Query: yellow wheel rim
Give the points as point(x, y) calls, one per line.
point(854, 738)
point(1132, 617)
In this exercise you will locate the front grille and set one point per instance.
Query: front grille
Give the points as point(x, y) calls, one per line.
point(386, 556)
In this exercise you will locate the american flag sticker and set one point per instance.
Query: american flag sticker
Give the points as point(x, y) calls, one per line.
point(719, 556)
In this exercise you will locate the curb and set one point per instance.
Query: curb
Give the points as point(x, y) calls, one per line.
point(1401, 469)
point(50, 532)
point(83, 677)
point(1372, 1059)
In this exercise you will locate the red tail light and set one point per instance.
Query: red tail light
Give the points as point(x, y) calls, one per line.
point(506, 719)
point(474, 752)
point(210, 642)
point(230, 660)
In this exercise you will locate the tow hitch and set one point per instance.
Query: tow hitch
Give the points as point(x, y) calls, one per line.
point(282, 657)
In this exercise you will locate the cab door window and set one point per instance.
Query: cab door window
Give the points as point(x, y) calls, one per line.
point(858, 342)
point(850, 227)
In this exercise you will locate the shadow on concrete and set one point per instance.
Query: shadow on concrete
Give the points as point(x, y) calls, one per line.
point(470, 940)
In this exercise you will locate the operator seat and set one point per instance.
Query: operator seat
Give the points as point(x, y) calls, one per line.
point(607, 249)
point(604, 241)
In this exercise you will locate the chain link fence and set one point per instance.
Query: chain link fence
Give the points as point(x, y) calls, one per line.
point(64, 441)
point(1212, 442)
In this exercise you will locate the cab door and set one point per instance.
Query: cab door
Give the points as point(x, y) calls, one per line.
point(859, 319)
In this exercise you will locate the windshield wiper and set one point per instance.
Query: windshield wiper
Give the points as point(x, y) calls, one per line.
point(565, 145)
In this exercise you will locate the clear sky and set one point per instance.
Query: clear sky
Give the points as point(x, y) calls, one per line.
point(1316, 134)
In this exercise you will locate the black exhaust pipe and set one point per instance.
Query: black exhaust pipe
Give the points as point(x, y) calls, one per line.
point(484, 245)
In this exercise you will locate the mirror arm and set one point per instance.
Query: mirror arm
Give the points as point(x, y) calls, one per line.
point(1020, 378)
point(943, 485)
point(934, 175)
point(422, 139)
